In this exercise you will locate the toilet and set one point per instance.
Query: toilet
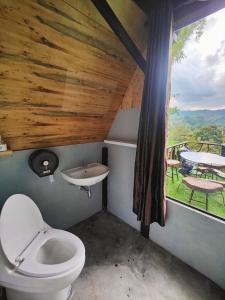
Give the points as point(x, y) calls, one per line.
point(37, 262)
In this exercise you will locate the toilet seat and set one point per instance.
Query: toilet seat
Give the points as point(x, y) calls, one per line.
point(67, 242)
point(31, 246)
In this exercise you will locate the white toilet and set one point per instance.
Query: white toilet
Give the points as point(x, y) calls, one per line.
point(37, 262)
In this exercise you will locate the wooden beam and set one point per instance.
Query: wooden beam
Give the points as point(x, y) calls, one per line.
point(109, 16)
point(144, 5)
point(186, 11)
point(195, 11)
point(179, 3)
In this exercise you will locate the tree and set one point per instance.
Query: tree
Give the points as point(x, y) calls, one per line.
point(183, 35)
point(210, 133)
point(179, 133)
point(173, 110)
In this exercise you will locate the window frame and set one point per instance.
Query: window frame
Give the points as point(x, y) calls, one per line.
point(206, 213)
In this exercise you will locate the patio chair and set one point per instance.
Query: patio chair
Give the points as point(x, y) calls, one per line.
point(174, 165)
point(218, 181)
point(203, 185)
point(217, 173)
point(202, 171)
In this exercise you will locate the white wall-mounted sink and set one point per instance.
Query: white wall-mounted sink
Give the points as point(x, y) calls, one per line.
point(86, 175)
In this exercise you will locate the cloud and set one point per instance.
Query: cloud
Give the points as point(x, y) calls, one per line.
point(198, 82)
point(218, 56)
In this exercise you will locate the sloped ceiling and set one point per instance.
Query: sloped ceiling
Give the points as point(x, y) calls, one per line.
point(63, 72)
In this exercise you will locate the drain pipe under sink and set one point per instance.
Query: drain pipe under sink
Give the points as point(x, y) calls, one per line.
point(86, 189)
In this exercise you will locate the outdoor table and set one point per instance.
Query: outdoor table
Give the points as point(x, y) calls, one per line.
point(204, 158)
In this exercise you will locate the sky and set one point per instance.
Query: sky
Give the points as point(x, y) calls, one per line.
point(198, 81)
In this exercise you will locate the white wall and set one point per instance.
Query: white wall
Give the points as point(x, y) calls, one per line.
point(197, 239)
point(194, 237)
point(61, 204)
point(120, 184)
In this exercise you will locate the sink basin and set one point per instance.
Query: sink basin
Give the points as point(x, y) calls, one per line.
point(87, 175)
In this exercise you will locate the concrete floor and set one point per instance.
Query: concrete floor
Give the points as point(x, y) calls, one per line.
point(121, 265)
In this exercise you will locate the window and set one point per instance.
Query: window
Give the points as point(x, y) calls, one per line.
point(196, 134)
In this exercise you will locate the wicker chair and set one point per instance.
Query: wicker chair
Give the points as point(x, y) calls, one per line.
point(173, 164)
point(218, 173)
point(203, 185)
point(203, 171)
point(218, 181)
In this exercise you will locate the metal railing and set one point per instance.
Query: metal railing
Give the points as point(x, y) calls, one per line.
point(173, 151)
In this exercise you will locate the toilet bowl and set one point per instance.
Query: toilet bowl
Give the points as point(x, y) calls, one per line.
point(37, 262)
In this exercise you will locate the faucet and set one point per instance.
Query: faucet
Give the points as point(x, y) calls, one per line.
point(84, 164)
point(86, 189)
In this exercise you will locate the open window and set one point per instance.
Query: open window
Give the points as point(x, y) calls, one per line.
point(196, 132)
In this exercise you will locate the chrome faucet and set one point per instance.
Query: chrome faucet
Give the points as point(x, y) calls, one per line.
point(86, 189)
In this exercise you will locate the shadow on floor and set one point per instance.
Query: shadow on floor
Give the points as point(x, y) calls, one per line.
point(121, 264)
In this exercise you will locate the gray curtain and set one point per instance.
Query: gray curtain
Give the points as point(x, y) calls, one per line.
point(149, 176)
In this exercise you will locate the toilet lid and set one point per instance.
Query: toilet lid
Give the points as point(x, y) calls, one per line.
point(20, 222)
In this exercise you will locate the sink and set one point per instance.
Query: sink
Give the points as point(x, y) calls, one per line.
point(86, 175)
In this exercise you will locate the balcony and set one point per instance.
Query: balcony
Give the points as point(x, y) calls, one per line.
point(198, 185)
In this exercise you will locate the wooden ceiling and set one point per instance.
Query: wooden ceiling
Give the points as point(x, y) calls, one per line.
point(185, 11)
point(63, 72)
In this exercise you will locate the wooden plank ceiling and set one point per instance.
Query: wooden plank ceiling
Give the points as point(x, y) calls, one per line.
point(63, 72)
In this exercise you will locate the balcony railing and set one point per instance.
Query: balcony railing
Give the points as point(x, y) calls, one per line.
point(173, 151)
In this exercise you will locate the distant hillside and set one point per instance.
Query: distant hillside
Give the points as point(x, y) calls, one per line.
point(199, 117)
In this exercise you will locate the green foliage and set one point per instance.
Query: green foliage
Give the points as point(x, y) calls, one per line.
point(198, 118)
point(210, 133)
point(183, 35)
point(182, 194)
point(179, 133)
point(189, 126)
point(173, 110)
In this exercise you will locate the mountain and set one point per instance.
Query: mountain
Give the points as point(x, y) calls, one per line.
point(199, 117)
